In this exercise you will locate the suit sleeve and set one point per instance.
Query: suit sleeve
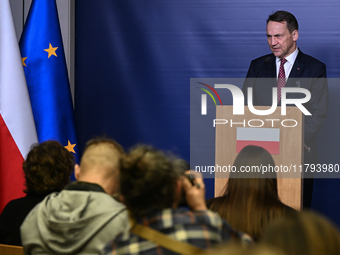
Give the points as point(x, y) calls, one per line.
point(318, 104)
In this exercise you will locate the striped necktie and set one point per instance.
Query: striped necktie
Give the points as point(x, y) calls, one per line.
point(281, 80)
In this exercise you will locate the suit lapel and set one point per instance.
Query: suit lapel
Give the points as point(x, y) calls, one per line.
point(271, 68)
point(295, 72)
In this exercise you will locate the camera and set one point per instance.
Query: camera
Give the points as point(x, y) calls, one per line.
point(183, 201)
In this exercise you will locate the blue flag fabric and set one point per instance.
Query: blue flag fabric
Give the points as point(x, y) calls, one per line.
point(46, 75)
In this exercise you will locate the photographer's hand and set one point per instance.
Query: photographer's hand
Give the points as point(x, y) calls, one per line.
point(194, 194)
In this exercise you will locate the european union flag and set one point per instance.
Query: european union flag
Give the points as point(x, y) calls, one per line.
point(46, 75)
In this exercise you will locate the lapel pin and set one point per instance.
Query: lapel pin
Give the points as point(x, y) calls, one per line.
point(298, 69)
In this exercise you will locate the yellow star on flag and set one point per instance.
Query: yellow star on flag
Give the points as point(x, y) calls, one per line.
point(51, 51)
point(70, 147)
point(23, 61)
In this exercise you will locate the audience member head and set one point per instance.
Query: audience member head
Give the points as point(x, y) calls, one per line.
point(263, 184)
point(47, 168)
point(240, 249)
point(304, 233)
point(100, 164)
point(148, 180)
point(250, 200)
point(181, 165)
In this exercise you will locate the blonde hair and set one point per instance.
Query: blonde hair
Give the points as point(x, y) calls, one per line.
point(306, 233)
point(102, 154)
point(239, 249)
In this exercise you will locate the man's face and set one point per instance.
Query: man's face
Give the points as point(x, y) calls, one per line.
point(281, 42)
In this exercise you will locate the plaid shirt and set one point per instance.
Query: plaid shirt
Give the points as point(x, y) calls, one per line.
point(202, 229)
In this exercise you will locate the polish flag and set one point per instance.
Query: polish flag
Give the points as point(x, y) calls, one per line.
point(267, 138)
point(17, 129)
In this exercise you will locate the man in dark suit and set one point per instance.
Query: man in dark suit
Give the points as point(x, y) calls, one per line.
point(289, 67)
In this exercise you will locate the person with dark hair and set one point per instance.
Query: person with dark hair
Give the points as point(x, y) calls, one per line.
point(289, 67)
point(82, 218)
point(250, 200)
point(47, 169)
point(151, 188)
point(306, 233)
point(284, 16)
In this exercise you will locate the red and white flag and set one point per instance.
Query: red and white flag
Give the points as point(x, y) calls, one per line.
point(267, 138)
point(17, 129)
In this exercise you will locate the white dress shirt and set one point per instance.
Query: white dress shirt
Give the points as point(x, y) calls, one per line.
point(288, 65)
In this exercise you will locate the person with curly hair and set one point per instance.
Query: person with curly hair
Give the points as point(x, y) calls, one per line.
point(47, 169)
point(152, 185)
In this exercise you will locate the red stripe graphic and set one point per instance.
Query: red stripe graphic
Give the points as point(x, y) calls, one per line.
point(271, 147)
point(218, 96)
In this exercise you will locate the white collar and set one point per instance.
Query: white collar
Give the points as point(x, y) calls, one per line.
point(291, 58)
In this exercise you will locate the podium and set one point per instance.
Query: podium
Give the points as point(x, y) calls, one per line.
point(288, 161)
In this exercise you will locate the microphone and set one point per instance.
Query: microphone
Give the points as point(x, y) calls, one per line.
point(267, 60)
point(253, 83)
